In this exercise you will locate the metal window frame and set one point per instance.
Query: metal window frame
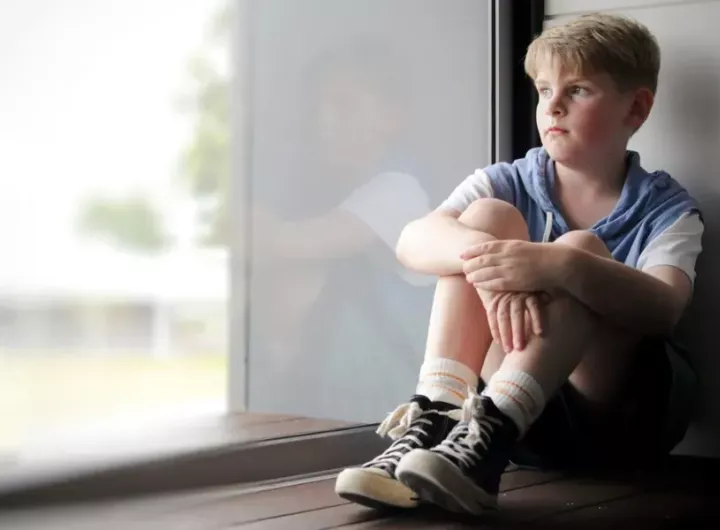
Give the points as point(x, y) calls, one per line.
point(240, 194)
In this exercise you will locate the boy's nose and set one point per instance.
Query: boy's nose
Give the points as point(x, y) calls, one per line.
point(555, 108)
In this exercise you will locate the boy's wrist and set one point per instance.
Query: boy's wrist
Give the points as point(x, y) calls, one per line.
point(567, 263)
point(473, 238)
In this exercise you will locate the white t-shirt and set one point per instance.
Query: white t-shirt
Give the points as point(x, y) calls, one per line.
point(387, 203)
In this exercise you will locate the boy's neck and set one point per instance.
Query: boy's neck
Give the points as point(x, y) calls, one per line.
point(605, 179)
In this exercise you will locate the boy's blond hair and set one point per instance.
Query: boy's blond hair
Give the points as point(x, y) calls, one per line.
point(600, 43)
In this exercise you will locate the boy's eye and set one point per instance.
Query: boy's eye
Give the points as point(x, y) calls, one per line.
point(579, 91)
point(544, 92)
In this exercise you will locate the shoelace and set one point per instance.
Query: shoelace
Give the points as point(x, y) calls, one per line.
point(474, 429)
point(405, 425)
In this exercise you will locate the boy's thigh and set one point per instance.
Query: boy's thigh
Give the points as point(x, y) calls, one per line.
point(573, 432)
point(605, 370)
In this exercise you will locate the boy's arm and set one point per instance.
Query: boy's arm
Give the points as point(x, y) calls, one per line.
point(433, 244)
point(371, 218)
point(648, 302)
point(333, 235)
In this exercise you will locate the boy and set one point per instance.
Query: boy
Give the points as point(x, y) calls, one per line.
point(561, 276)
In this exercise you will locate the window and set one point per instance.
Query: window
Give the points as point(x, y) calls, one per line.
point(202, 199)
point(113, 285)
point(358, 117)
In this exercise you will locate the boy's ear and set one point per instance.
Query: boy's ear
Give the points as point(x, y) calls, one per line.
point(642, 103)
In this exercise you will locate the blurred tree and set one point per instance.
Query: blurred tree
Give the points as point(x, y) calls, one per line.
point(204, 165)
point(131, 222)
point(134, 222)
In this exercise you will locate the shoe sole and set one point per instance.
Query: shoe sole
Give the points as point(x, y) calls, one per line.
point(438, 481)
point(374, 491)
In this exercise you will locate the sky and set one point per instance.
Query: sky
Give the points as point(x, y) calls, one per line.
point(87, 104)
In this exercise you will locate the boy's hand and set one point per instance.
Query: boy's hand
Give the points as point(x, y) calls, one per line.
point(516, 266)
point(512, 317)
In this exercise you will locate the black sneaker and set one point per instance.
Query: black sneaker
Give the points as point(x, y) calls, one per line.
point(419, 424)
point(462, 474)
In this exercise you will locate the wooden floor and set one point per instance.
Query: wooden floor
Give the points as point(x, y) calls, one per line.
point(684, 495)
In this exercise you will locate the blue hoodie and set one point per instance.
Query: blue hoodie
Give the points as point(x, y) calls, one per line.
point(649, 203)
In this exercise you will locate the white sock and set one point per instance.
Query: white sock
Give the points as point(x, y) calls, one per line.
point(517, 395)
point(446, 380)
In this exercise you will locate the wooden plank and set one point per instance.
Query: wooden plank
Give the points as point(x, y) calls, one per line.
point(529, 499)
point(424, 518)
point(526, 496)
point(204, 509)
point(206, 467)
point(296, 501)
point(353, 516)
point(428, 517)
point(243, 508)
point(332, 517)
point(170, 439)
point(682, 493)
point(522, 478)
point(75, 456)
point(659, 509)
point(560, 496)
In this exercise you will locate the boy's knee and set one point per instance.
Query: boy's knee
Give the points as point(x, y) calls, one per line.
point(495, 217)
point(586, 241)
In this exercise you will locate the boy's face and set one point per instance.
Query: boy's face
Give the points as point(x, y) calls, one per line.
point(583, 119)
point(354, 124)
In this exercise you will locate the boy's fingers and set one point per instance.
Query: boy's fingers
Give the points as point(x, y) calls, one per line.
point(492, 319)
point(494, 331)
point(533, 307)
point(504, 323)
point(470, 253)
point(517, 318)
point(474, 251)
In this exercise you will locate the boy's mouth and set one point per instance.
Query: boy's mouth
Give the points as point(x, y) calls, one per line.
point(556, 130)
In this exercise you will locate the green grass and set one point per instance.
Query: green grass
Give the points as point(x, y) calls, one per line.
point(42, 393)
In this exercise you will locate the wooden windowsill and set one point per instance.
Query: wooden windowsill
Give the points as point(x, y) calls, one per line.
point(199, 454)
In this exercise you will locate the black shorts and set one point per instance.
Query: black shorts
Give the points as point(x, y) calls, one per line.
point(646, 424)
